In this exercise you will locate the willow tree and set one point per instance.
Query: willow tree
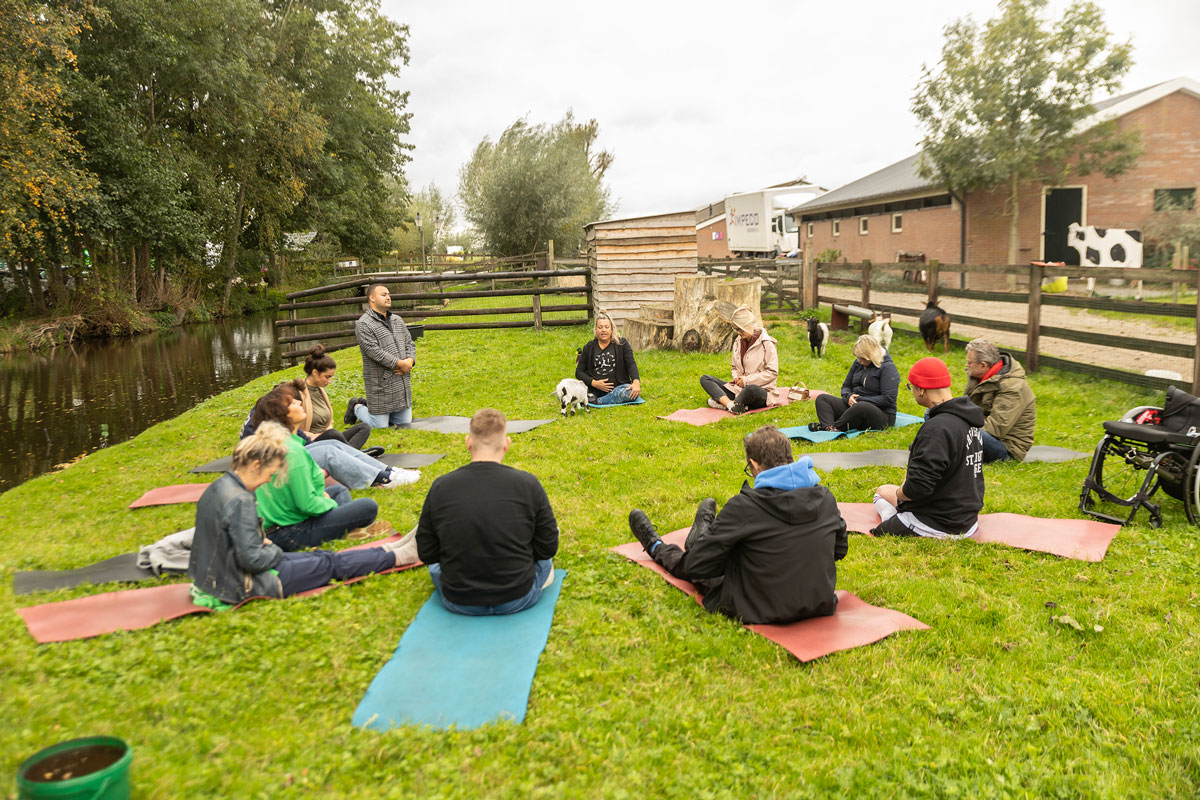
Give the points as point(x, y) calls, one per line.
point(1010, 100)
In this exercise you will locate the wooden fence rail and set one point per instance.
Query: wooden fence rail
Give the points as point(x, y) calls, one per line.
point(860, 275)
point(532, 283)
point(781, 277)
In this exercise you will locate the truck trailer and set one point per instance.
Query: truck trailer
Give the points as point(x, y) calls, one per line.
point(757, 224)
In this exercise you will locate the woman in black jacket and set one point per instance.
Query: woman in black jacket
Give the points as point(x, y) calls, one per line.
point(606, 365)
point(868, 400)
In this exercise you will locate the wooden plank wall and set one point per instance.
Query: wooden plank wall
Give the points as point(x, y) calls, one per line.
point(635, 261)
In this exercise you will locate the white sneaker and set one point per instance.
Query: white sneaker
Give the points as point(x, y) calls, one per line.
point(399, 477)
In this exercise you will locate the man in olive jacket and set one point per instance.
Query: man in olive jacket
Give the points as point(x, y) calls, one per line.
point(996, 383)
point(388, 355)
point(768, 557)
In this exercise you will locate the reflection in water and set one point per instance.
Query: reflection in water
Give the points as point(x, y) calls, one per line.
point(63, 404)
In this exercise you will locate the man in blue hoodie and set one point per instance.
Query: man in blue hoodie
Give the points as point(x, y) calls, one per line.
point(768, 557)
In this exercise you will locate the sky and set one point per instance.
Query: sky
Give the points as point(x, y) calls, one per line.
point(702, 99)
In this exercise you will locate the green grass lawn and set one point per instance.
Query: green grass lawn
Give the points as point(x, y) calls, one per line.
point(639, 692)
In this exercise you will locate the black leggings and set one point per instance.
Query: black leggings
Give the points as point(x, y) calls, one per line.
point(862, 416)
point(716, 390)
point(355, 436)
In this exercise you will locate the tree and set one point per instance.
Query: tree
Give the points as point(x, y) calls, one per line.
point(1007, 102)
point(437, 219)
point(536, 182)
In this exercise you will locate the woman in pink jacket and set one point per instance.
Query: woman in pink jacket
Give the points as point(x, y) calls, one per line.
point(755, 367)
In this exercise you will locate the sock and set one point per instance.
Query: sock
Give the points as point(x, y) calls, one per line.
point(654, 546)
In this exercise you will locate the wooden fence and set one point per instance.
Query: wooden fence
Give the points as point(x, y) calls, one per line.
point(1026, 290)
point(442, 262)
point(781, 277)
point(430, 291)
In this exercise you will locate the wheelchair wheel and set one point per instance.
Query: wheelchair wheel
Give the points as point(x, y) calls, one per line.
point(1191, 485)
point(1119, 474)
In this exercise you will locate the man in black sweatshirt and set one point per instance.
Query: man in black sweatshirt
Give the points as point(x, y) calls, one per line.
point(768, 557)
point(487, 531)
point(943, 486)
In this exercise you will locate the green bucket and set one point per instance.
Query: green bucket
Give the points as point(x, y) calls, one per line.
point(91, 768)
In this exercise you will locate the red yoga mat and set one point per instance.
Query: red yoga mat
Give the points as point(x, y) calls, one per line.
point(706, 416)
point(1080, 539)
point(182, 493)
point(855, 623)
point(134, 609)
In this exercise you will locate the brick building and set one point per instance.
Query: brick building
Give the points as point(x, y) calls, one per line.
point(895, 211)
point(711, 241)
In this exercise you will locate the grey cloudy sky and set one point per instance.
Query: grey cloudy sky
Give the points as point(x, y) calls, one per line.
point(701, 99)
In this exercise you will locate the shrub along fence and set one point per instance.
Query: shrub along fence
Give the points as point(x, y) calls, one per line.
point(1015, 307)
point(781, 277)
point(464, 298)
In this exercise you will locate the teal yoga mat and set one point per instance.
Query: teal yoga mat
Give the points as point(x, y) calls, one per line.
point(636, 402)
point(802, 431)
point(462, 671)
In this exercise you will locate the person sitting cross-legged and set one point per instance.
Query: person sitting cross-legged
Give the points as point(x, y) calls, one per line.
point(942, 493)
point(996, 383)
point(868, 400)
point(487, 531)
point(768, 557)
point(231, 560)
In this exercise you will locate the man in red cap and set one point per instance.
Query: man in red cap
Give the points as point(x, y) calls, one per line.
point(943, 484)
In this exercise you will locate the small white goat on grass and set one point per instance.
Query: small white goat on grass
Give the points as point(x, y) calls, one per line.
point(571, 393)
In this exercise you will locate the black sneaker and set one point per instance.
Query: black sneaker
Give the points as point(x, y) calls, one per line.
point(349, 418)
point(737, 408)
point(374, 451)
point(815, 426)
point(705, 514)
point(643, 529)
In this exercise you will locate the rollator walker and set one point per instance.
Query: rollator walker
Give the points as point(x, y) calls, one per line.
point(1162, 442)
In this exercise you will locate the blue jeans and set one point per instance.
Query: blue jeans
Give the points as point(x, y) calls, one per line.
point(994, 449)
point(344, 464)
point(541, 570)
point(333, 524)
point(401, 417)
point(619, 394)
point(299, 572)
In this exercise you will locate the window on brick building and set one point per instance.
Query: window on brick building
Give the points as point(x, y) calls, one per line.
point(862, 226)
point(837, 227)
point(810, 230)
point(1169, 199)
point(897, 223)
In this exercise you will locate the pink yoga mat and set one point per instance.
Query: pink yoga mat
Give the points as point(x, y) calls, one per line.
point(134, 609)
point(854, 624)
point(707, 416)
point(182, 493)
point(1080, 539)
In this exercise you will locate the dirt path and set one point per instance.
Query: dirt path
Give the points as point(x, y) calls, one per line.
point(1055, 316)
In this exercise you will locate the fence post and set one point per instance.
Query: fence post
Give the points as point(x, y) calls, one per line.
point(866, 283)
point(808, 284)
point(537, 310)
point(934, 269)
point(550, 254)
point(1035, 317)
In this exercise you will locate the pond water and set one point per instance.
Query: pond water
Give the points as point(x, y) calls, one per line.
point(65, 403)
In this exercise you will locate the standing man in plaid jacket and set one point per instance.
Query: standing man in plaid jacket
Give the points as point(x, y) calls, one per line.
point(388, 357)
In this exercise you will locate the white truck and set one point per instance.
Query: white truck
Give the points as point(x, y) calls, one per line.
point(757, 224)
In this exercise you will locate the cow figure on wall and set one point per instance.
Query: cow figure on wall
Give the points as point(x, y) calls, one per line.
point(1106, 247)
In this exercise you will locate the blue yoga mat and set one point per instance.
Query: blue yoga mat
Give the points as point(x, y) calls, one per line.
point(464, 671)
point(802, 431)
point(636, 402)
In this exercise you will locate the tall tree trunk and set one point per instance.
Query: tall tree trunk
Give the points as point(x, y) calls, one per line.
point(143, 272)
point(133, 276)
point(1013, 228)
point(229, 254)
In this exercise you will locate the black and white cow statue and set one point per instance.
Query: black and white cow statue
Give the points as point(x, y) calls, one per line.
point(1106, 247)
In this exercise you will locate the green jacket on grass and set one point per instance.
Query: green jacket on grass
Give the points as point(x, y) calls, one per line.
point(301, 496)
point(1009, 407)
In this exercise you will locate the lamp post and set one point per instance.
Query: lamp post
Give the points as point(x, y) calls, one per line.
point(421, 231)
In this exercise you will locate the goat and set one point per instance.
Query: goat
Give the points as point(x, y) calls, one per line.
point(934, 325)
point(880, 329)
point(571, 393)
point(818, 336)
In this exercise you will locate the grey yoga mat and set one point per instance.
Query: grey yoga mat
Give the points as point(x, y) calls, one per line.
point(405, 460)
point(899, 458)
point(118, 569)
point(462, 424)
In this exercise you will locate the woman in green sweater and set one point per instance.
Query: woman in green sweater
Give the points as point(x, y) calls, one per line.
point(302, 512)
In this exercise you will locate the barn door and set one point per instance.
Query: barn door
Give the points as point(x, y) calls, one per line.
point(1063, 206)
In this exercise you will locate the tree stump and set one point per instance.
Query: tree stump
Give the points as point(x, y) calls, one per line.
point(703, 303)
point(647, 334)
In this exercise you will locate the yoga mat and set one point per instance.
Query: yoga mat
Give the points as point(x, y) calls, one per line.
point(135, 609)
point(118, 569)
point(855, 623)
point(1080, 539)
point(451, 669)
point(899, 458)
point(706, 416)
point(462, 424)
point(640, 399)
point(167, 495)
point(405, 460)
point(802, 432)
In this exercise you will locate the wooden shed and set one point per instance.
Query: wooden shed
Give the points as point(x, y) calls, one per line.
point(635, 261)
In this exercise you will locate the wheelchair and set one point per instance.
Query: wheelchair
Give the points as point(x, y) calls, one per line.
point(1164, 443)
